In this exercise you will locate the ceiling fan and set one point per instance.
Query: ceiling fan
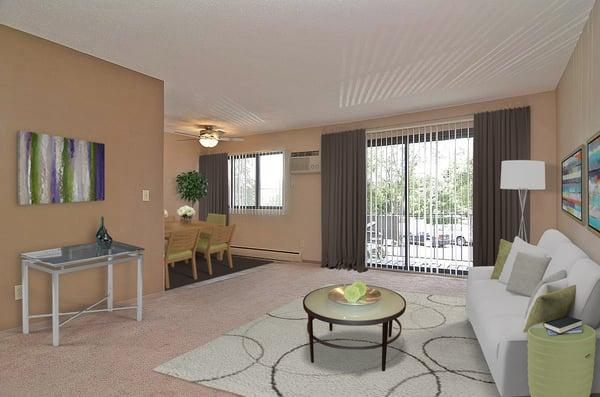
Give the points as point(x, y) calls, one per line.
point(208, 136)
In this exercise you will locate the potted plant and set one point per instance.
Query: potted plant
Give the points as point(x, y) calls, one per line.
point(191, 186)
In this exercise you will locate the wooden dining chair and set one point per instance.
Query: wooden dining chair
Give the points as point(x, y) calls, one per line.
point(217, 219)
point(181, 246)
point(219, 242)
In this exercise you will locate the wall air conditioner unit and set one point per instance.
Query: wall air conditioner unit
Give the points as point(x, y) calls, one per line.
point(305, 162)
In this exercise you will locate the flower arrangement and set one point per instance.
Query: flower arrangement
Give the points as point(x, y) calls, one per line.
point(186, 212)
point(355, 291)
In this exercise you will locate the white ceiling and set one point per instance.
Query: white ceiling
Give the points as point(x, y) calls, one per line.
point(255, 66)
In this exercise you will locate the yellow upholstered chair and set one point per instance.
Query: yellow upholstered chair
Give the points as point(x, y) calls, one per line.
point(218, 242)
point(217, 219)
point(181, 246)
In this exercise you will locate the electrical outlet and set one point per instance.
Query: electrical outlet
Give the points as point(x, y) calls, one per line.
point(145, 195)
point(18, 292)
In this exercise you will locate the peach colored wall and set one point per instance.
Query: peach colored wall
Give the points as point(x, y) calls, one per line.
point(49, 88)
point(300, 229)
point(578, 114)
point(180, 156)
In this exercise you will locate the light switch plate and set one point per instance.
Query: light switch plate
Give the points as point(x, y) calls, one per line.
point(18, 292)
point(145, 195)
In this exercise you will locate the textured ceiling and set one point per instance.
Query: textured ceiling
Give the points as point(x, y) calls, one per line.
point(255, 66)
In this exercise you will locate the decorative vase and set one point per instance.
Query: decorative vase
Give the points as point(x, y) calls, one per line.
point(186, 219)
point(103, 239)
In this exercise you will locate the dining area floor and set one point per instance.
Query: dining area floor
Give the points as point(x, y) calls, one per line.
point(181, 273)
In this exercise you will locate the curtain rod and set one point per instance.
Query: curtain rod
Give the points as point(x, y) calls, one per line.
point(422, 124)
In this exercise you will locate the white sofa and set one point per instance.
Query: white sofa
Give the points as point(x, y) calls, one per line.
point(498, 316)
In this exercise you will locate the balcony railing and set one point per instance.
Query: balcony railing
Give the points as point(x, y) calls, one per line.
point(442, 246)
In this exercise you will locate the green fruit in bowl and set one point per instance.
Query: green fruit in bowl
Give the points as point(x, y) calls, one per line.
point(352, 293)
point(362, 287)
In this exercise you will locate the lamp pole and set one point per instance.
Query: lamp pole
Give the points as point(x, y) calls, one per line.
point(523, 203)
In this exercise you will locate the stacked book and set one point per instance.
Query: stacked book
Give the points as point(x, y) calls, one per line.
point(565, 325)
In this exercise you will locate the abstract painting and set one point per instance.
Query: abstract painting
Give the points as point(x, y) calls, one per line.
point(572, 184)
point(53, 169)
point(593, 152)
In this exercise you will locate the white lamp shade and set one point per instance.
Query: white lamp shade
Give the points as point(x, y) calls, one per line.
point(208, 140)
point(523, 174)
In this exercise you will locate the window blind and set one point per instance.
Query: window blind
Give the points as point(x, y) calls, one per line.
point(258, 183)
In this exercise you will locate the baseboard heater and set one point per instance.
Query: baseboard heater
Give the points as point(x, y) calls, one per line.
point(267, 253)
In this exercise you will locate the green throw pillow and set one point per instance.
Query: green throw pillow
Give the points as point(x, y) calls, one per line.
point(503, 252)
point(551, 306)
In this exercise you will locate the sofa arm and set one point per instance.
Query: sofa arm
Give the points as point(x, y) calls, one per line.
point(479, 273)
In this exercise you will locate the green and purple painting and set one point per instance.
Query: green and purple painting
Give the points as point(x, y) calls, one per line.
point(53, 169)
point(593, 149)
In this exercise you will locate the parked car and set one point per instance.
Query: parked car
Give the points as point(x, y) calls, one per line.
point(460, 234)
point(426, 239)
point(458, 227)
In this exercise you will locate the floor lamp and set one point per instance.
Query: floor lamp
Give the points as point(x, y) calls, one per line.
point(523, 175)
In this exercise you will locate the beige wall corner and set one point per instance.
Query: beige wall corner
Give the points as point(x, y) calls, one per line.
point(578, 114)
point(45, 87)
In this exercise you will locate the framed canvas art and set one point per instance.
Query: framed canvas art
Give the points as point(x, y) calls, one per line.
point(572, 184)
point(593, 181)
point(54, 169)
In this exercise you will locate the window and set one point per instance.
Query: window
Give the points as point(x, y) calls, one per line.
point(256, 183)
point(420, 198)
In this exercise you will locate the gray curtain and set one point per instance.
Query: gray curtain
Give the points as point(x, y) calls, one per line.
point(499, 135)
point(343, 200)
point(214, 167)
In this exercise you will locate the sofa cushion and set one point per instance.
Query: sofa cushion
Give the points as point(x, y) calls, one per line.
point(550, 286)
point(527, 272)
point(585, 274)
point(551, 306)
point(551, 239)
point(503, 251)
point(489, 298)
point(549, 278)
point(564, 257)
point(518, 246)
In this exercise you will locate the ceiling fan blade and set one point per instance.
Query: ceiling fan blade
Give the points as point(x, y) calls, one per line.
point(230, 139)
point(189, 139)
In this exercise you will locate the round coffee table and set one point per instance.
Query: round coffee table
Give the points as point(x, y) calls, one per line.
point(387, 310)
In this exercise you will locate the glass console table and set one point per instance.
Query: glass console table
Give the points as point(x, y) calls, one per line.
point(76, 258)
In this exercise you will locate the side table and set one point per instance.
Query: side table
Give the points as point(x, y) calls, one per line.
point(561, 365)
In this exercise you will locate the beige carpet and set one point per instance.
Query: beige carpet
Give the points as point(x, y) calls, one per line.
point(112, 355)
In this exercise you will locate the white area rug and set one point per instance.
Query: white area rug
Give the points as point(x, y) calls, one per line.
point(437, 355)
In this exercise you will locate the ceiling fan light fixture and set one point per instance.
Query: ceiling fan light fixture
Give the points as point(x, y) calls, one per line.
point(208, 140)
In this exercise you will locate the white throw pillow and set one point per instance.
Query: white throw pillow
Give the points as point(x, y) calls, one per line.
point(518, 246)
point(545, 289)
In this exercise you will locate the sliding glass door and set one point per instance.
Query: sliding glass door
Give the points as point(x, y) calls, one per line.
point(419, 198)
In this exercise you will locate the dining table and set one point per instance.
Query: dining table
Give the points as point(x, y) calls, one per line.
point(172, 226)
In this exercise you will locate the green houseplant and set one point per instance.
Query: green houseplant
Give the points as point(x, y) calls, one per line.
point(191, 186)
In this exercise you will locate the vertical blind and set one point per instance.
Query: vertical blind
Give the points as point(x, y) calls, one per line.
point(258, 183)
point(419, 197)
